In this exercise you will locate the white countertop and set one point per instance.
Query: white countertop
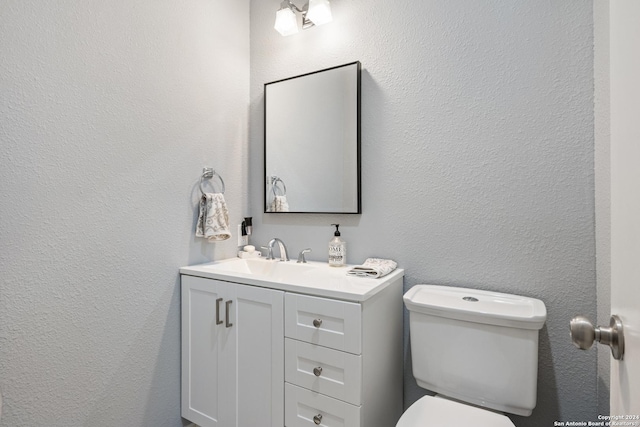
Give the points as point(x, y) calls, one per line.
point(312, 278)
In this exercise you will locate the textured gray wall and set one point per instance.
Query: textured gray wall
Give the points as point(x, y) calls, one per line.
point(108, 112)
point(477, 171)
point(477, 157)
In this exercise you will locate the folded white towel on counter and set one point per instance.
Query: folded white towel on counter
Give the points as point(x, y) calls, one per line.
point(279, 204)
point(213, 219)
point(373, 267)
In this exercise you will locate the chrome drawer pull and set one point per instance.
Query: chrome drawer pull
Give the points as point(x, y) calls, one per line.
point(317, 419)
point(317, 322)
point(317, 371)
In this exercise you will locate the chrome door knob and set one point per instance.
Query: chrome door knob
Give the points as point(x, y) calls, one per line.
point(317, 419)
point(583, 334)
point(317, 322)
point(317, 371)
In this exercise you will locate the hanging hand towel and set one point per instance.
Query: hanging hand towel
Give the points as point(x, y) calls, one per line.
point(373, 267)
point(213, 219)
point(279, 204)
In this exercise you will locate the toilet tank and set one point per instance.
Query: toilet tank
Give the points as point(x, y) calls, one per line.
point(476, 346)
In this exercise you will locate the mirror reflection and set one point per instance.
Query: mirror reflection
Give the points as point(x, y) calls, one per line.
point(312, 142)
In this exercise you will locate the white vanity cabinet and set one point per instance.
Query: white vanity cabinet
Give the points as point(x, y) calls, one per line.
point(318, 349)
point(232, 353)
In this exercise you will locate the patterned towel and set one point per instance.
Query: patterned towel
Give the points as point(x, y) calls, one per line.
point(373, 267)
point(279, 204)
point(213, 219)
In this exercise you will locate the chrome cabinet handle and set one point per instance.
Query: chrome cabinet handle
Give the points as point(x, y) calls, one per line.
point(317, 419)
point(218, 321)
point(226, 315)
point(317, 371)
point(317, 322)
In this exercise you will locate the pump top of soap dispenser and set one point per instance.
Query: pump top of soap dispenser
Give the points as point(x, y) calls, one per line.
point(337, 232)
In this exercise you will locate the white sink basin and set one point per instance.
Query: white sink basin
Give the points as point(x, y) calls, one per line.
point(259, 267)
point(316, 278)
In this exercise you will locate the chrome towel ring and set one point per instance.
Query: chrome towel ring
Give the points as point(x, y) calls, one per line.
point(274, 183)
point(209, 173)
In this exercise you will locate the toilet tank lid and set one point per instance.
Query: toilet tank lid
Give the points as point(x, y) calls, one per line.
point(477, 306)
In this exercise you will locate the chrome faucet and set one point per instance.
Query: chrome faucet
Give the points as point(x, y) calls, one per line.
point(283, 249)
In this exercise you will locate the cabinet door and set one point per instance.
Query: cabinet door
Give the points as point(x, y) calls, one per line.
point(205, 399)
point(259, 361)
point(232, 354)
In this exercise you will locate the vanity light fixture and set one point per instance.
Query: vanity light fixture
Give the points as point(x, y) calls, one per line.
point(314, 12)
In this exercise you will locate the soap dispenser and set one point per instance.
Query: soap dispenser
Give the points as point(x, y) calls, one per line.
point(337, 249)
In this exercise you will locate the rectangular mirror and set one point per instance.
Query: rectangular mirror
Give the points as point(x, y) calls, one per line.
point(312, 142)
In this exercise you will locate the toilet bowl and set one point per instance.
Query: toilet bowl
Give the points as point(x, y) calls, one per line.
point(437, 412)
point(478, 350)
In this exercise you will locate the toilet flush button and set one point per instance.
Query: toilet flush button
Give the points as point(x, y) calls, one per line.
point(472, 299)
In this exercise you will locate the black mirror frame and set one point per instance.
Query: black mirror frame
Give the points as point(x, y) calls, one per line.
point(358, 142)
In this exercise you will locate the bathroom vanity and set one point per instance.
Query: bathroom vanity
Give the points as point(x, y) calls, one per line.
point(273, 343)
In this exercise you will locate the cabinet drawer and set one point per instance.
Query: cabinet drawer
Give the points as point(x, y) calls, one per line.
point(334, 373)
point(304, 408)
point(326, 322)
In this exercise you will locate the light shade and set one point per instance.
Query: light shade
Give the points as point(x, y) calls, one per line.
point(286, 22)
point(319, 12)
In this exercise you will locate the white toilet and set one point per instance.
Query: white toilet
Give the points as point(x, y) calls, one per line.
point(478, 350)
